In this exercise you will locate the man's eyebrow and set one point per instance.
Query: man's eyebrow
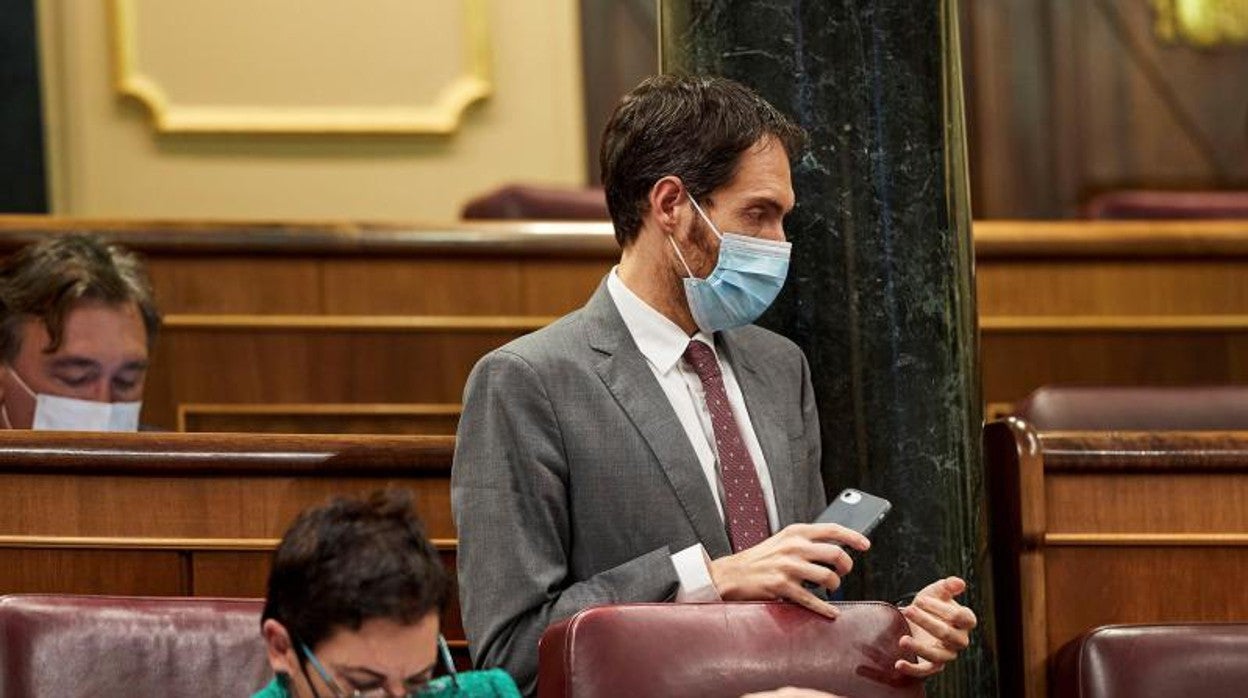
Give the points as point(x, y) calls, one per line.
point(74, 362)
point(765, 202)
point(136, 365)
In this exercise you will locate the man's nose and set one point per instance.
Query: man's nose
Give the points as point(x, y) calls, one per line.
point(101, 391)
point(776, 234)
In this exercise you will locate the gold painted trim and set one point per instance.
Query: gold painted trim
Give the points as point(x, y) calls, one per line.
point(1146, 539)
point(361, 323)
point(175, 544)
point(1201, 23)
point(1112, 323)
point(51, 28)
point(443, 117)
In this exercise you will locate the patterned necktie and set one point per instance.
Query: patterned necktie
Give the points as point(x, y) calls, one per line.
point(745, 512)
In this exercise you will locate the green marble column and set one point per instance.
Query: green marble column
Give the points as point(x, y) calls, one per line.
point(881, 291)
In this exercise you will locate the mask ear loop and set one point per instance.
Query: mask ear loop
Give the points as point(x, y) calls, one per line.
point(4, 406)
point(680, 256)
point(708, 222)
point(705, 217)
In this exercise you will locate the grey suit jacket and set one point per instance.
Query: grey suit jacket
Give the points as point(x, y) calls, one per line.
point(574, 482)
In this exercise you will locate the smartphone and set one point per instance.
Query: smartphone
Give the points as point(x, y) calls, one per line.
point(856, 510)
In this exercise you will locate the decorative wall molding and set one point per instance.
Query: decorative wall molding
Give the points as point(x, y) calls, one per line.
point(443, 116)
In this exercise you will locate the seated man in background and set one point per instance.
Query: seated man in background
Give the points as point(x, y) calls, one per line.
point(354, 605)
point(77, 321)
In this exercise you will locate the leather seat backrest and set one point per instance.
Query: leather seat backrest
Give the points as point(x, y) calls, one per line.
point(1203, 408)
point(724, 649)
point(70, 646)
point(1208, 660)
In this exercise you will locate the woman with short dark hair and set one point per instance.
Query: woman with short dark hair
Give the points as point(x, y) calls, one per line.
point(354, 600)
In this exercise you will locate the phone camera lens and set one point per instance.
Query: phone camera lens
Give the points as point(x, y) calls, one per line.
point(851, 496)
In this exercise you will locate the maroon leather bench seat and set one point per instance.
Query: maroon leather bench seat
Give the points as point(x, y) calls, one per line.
point(727, 649)
point(1161, 204)
point(1208, 660)
point(537, 202)
point(1136, 408)
point(71, 646)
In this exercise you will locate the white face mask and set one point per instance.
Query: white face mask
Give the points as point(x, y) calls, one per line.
point(55, 413)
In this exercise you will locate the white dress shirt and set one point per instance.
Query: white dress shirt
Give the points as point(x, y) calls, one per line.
point(663, 344)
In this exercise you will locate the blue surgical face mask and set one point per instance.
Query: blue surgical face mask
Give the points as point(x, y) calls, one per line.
point(745, 281)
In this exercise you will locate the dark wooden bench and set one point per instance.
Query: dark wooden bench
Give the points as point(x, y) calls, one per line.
point(192, 514)
point(348, 326)
point(1097, 528)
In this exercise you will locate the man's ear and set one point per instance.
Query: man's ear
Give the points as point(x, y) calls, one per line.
point(667, 197)
point(278, 646)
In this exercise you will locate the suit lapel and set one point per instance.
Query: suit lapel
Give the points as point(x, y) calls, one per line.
point(624, 371)
point(761, 401)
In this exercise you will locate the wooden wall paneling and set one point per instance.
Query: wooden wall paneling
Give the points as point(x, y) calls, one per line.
point(1013, 363)
point(462, 286)
point(423, 286)
point(1094, 585)
point(341, 418)
point(201, 507)
point(1112, 287)
point(224, 364)
point(1180, 503)
point(206, 486)
point(240, 574)
point(68, 571)
point(556, 287)
point(236, 284)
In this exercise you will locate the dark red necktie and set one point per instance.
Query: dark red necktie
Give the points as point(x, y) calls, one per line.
point(745, 512)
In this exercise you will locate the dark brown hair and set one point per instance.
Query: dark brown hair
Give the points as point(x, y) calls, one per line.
point(691, 127)
point(47, 279)
point(351, 561)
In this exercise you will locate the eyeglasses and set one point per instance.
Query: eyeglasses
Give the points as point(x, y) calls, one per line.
point(426, 688)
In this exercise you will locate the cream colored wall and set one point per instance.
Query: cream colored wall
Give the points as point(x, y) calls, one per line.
point(107, 157)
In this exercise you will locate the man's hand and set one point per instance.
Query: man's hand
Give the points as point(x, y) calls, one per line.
point(790, 692)
point(777, 567)
point(940, 628)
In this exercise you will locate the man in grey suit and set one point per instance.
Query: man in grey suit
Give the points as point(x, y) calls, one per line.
point(654, 445)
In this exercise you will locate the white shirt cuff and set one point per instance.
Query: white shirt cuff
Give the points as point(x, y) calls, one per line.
point(693, 569)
